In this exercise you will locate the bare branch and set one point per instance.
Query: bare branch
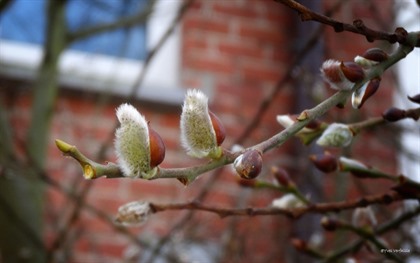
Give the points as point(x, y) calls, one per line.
point(358, 27)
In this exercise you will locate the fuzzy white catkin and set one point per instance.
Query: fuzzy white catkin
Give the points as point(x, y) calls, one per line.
point(133, 213)
point(197, 133)
point(332, 67)
point(132, 142)
point(336, 135)
point(287, 201)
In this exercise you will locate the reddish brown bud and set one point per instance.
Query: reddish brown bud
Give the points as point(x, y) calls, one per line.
point(361, 95)
point(415, 99)
point(324, 162)
point(299, 244)
point(157, 148)
point(375, 54)
point(281, 175)
point(218, 127)
point(249, 164)
point(394, 114)
point(352, 71)
point(329, 224)
point(407, 187)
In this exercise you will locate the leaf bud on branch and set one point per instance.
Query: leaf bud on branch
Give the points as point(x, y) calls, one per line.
point(325, 162)
point(249, 164)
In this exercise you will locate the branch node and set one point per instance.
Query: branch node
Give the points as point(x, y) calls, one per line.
point(358, 23)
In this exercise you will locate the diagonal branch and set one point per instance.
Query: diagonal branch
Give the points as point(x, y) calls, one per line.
point(358, 27)
point(124, 22)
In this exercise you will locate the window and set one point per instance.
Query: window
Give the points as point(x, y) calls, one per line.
point(111, 61)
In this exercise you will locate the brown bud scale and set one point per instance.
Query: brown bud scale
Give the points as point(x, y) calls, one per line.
point(352, 71)
point(375, 54)
point(249, 164)
point(326, 163)
point(218, 127)
point(157, 148)
point(371, 89)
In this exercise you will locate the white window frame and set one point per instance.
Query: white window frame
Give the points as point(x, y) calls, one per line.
point(103, 73)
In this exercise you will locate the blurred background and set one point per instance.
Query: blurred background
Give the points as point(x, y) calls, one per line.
point(65, 65)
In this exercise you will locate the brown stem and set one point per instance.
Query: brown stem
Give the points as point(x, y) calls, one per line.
point(385, 198)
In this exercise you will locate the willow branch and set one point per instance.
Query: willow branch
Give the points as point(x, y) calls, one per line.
point(400, 35)
point(94, 170)
point(385, 198)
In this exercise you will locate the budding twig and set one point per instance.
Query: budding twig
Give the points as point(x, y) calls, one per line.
point(94, 170)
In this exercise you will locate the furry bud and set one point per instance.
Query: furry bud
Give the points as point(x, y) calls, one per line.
point(341, 75)
point(139, 149)
point(360, 96)
point(249, 164)
point(133, 213)
point(201, 131)
point(288, 201)
point(336, 135)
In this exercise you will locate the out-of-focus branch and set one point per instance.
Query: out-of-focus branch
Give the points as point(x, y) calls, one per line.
point(358, 27)
point(265, 104)
point(385, 198)
point(384, 228)
point(124, 22)
point(151, 54)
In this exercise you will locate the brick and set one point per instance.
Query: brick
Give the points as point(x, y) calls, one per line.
point(231, 9)
point(206, 25)
point(194, 42)
point(239, 49)
point(209, 64)
point(261, 72)
point(263, 35)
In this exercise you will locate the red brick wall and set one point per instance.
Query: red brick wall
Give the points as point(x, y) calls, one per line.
point(235, 51)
